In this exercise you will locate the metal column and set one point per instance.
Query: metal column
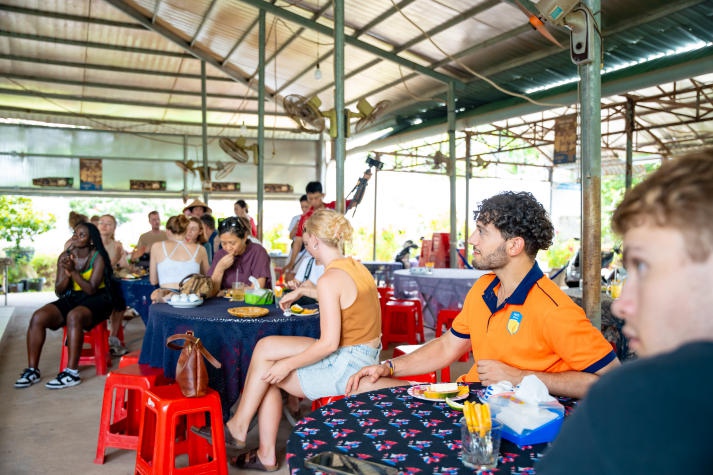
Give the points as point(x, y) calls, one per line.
point(591, 90)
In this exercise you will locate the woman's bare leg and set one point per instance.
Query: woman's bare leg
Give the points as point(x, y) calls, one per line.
point(78, 319)
point(47, 316)
point(267, 351)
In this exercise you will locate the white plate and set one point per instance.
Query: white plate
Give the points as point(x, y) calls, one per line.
point(415, 392)
point(185, 304)
point(289, 313)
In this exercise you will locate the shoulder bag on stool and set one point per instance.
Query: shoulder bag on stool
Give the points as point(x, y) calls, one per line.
point(191, 372)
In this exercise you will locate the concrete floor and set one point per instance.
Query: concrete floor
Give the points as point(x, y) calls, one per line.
point(56, 431)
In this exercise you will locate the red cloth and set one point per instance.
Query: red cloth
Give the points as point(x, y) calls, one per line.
point(308, 213)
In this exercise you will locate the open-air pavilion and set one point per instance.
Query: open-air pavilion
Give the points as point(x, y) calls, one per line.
point(140, 85)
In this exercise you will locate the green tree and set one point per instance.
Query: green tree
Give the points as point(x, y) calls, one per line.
point(19, 222)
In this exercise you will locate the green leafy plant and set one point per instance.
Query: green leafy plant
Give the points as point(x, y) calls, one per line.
point(19, 222)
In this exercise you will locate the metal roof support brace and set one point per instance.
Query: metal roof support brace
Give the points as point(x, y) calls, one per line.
point(261, 125)
point(591, 148)
point(452, 169)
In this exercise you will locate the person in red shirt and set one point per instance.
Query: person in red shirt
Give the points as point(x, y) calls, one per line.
point(315, 198)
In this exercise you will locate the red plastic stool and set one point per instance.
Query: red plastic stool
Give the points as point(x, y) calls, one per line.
point(96, 354)
point(166, 422)
point(402, 320)
point(121, 409)
point(130, 358)
point(431, 377)
point(317, 403)
point(445, 319)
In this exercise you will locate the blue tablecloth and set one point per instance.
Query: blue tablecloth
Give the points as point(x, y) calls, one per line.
point(444, 288)
point(383, 272)
point(137, 294)
point(230, 339)
point(388, 425)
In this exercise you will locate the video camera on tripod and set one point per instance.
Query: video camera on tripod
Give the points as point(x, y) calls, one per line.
point(360, 187)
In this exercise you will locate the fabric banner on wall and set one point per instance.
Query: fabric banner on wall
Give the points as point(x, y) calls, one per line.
point(90, 174)
point(566, 139)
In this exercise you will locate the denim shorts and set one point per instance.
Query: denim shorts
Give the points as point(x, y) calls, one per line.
point(329, 376)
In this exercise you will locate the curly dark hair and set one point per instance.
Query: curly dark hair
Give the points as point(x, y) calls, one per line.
point(518, 215)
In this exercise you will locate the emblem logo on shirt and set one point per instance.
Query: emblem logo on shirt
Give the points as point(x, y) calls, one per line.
point(514, 322)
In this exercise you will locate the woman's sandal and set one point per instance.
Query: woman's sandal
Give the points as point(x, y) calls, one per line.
point(250, 461)
point(233, 446)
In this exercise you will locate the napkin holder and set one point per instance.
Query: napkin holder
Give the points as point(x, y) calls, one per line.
point(259, 297)
point(546, 432)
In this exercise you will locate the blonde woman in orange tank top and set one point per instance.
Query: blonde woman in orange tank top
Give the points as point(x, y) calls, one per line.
point(350, 331)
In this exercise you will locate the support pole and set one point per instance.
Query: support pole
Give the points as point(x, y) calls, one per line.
point(204, 133)
point(591, 89)
point(340, 142)
point(261, 126)
point(452, 167)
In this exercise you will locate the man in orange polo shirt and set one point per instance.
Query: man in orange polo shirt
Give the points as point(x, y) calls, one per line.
point(515, 319)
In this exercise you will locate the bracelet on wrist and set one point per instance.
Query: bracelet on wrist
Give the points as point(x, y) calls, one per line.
point(390, 364)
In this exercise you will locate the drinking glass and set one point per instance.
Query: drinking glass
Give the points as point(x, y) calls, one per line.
point(481, 451)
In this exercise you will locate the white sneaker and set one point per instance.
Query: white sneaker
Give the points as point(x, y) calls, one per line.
point(29, 377)
point(63, 380)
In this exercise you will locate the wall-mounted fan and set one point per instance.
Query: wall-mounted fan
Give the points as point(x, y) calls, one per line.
point(237, 150)
point(439, 160)
point(305, 112)
point(368, 113)
point(222, 170)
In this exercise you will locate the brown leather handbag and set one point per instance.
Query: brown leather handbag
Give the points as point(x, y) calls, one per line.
point(191, 371)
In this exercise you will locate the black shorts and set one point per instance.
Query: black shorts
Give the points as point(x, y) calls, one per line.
point(99, 304)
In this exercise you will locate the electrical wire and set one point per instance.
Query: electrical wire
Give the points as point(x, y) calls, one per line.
point(467, 68)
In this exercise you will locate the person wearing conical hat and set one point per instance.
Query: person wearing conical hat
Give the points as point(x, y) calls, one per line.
point(197, 208)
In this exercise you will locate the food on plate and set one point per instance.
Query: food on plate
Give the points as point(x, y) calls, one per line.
point(302, 311)
point(441, 390)
point(454, 404)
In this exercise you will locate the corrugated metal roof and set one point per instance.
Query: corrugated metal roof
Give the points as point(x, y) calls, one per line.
point(120, 63)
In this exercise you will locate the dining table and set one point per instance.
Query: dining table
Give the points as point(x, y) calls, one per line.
point(392, 427)
point(137, 294)
point(383, 271)
point(440, 288)
point(228, 338)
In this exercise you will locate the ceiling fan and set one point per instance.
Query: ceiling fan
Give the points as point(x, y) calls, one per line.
point(368, 113)
point(222, 169)
point(305, 112)
point(311, 119)
point(439, 159)
point(237, 150)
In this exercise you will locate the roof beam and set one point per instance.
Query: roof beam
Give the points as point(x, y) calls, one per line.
point(108, 100)
point(239, 76)
point(92, 44)
point(104, 67)
point(300, 20)
point(122, 87)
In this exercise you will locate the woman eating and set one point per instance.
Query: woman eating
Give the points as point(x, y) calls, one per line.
point(238, 259)
point(350, 326)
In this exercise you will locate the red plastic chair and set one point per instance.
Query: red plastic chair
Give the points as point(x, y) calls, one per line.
point(402, 321)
